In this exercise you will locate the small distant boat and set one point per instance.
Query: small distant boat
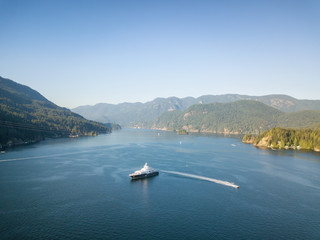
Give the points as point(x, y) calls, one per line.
point(144, 172)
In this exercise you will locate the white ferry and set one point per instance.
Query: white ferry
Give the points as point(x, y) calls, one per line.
point(144, 172)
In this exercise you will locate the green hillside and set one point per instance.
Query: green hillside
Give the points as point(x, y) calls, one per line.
point(27, 116)
point(241, 117)
point(282, 138)
point(300, 119)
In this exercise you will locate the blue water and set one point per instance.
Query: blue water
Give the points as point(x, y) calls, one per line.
point(80, 189)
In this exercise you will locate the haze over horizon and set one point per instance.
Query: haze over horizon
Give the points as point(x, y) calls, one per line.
point(87, 52)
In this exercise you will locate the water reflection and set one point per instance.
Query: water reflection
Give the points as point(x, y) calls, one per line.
point(301, 154)
point(144, 186)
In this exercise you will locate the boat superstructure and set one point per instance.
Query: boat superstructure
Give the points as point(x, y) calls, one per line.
point(144, 172)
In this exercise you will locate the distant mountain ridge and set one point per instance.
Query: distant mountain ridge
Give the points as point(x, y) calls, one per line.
point(137, 114)
point(240, 117)
point(27, 116)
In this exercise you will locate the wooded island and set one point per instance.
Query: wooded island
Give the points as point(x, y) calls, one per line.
point(281, 138)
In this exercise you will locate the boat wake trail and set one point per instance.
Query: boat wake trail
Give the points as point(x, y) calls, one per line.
point(44, 156)
point(229, 184)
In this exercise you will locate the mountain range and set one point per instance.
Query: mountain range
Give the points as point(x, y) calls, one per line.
point(140, 114)
point(27, 116)
point(240, 117)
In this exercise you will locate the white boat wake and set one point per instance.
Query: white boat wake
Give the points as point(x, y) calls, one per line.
point(229, 184)
point(43, 156)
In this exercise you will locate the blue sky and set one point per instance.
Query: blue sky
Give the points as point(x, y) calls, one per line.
point(87, 51)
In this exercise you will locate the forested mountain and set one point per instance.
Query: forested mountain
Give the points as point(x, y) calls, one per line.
point(136, 114)
point(287, 139)
point(26, 116)
point(244, 116)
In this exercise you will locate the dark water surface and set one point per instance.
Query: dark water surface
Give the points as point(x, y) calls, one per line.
point(80, 189)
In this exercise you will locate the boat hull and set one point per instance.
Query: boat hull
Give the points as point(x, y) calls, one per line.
point(144, 175)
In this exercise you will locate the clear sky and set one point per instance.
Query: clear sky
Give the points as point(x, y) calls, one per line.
point(85, 52)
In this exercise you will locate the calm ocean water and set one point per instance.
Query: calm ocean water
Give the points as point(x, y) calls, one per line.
point(80, 189)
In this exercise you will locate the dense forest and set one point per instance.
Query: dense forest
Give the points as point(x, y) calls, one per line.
point(26, 116)
point(286, 138)
point(241, 117)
